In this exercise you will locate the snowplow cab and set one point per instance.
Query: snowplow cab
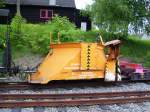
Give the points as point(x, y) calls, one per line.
point(76, 61)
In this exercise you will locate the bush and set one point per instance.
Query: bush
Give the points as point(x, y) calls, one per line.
point(111, 36)
point(16, 24)
point(2, 34)
point(36, 37)
point(61, 23)
point(147, 59)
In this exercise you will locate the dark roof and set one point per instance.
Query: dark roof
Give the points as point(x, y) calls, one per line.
point(66, 3)
point(61, 3)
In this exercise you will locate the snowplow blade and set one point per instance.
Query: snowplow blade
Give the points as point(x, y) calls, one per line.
point(75, 61)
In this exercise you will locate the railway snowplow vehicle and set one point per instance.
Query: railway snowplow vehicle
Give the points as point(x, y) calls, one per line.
point(76, 61)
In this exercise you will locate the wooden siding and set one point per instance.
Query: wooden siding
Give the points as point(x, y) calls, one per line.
point(32, 14)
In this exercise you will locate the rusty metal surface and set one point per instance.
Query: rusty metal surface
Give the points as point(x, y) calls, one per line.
point(54, 100)
point(72, 102)
point(73, 95)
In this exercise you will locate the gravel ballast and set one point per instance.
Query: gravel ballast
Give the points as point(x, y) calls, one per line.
point(140, 107)
point(86, 89)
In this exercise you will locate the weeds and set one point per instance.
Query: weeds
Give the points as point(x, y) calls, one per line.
point(35, 38)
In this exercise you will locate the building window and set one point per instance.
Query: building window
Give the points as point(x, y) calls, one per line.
point(46, 14)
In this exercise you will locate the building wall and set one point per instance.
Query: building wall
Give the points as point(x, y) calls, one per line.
point(85, 19)
point(32, 14)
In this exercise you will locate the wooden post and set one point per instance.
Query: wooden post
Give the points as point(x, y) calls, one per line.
point(58, 38)
point(51, 38)
point(18, 7)
point(101, 39)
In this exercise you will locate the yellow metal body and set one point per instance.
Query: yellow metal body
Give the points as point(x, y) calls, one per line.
point(73, 61)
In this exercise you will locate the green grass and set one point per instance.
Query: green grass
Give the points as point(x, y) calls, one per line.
point(133, 48)
point(35, 39)
point(1, 56)
point(137, 50)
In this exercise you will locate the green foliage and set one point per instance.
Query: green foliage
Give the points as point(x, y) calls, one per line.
point(147, 28)
point(147, 59)
point(140, 13)
point(136, 49)
point(86, 12)
point(108, 36)
point(78, 36)
point(2, 41)
point(61, 23)
point(2, 32)
point(16, 31)
point(1, 3)
point(16, 23)
point(116, 15)
point(111, 15)
point(35, 38)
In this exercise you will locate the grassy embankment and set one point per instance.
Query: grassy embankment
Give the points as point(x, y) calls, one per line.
point(137, 50)
point(35, 39)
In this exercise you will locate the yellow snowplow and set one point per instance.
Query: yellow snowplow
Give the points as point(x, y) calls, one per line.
point(76, 61)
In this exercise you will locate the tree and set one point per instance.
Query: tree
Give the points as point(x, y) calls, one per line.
point(118, 15)
point(1, 3)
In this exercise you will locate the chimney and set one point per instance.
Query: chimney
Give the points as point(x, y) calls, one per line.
point(52, 2)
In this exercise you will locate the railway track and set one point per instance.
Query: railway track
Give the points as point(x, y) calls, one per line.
point(73, 99)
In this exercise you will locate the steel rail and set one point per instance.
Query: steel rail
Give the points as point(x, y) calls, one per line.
point(72, 102)
point(74, 95)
